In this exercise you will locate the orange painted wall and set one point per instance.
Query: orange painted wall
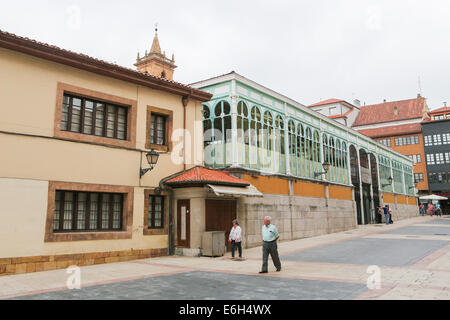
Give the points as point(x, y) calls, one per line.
point(388, 198)
point(401, 199)
point(309, 189)
point(268, 185)
point(411, 150)
point(341, 193)
point(412, 201)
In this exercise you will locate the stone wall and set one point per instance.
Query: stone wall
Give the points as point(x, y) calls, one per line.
point(296, 217)
point(403, 211)
point(9, 266)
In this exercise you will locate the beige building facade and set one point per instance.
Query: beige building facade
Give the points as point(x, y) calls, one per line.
point(79, 128)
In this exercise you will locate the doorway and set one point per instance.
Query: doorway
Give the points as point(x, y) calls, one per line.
point(184, 224)
point(218, 216)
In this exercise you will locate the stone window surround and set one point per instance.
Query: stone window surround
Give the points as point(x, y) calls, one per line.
point(127, 218)
point(161, 231)
point(169, 127)
point(86, 93)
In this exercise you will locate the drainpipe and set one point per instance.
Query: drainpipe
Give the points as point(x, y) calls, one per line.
point(185, 101)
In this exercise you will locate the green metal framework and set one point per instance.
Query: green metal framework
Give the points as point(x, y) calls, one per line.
point(245, 126)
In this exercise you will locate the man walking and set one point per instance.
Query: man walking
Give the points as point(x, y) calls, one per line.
point(270, 236)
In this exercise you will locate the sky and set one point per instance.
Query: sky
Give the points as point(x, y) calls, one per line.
point(307, 50)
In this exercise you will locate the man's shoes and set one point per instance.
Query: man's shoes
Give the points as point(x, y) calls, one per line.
point(278, 270)
point(263, 272)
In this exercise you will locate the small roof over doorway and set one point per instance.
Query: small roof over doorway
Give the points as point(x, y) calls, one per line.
point(219, 182)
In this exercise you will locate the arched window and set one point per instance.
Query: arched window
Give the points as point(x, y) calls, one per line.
point(345, 163)
point(309, 153)
point(280, 151)
point(222, 134)
point(208, 136)
point(243, 126)
point(326, 152)
point(268, 141)
point(292, 147)
point(255, 138)
point(332, 159)
point(339, 161)
point(316, 148)
point(300, 150)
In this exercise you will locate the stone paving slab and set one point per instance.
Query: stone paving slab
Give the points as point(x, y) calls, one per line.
point(420, 230)
point(381, 252)
point(440, 221)
point(211, 286)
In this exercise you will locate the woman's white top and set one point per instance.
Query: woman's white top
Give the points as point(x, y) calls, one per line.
point(236, 234)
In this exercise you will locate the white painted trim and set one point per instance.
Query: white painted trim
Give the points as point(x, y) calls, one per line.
point(251, 83)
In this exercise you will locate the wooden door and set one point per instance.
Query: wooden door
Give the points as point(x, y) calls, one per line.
point(184, 224)
point(219, 215)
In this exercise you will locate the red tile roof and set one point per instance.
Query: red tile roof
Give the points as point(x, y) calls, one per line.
point(206, 176)
point(81, 61)
point(443, 109)
point(384, 112)
point(322, 103)
point(392, 131)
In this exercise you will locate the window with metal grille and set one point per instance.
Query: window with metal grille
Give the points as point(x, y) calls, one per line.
point(158, 129)
point(92, 117)
point(87, 211)
point(437, 139)
point(418, 177)
point(428, 140)
point(155, 212)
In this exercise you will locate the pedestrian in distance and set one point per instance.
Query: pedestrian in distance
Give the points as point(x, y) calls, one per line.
point(422, 209)
point(391, 221)
point(438, 209)
point(235, 239)
point(270, 237)
point(386, 213)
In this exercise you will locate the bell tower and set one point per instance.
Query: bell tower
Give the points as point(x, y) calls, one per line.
point(155, 62)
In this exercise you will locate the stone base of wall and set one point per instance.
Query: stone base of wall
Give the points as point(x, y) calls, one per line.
point(403, 211)
point(10, 266)
point(296, 217)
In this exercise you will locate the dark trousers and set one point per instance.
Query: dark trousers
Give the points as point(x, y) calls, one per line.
point(235, 245)
point(272, 249)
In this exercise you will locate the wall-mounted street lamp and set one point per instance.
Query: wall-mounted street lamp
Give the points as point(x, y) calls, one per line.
point(326, 167)
point(414, 186)
point(389, 184)
point(152, 159)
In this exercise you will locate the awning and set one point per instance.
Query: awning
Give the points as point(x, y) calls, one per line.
point(433, 197)
point(249, 191)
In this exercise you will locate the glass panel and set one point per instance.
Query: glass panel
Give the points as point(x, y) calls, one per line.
point(111, 121)
point(68, 210)
point(160, 130)
point(57, 211)
point(65, 113)
point(99, 119)
point(122, 124)
point(76, 115)
point(117, 211)
point(105, 211)
point(81, 211)
point(88, 117)
point(93, 218)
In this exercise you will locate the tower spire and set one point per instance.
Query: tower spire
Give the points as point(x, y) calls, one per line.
point(156, 48)
point(155, 62)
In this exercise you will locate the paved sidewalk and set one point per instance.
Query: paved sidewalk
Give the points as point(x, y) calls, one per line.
point(412, 255)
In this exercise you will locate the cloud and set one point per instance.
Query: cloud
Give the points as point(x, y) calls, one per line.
point(308, 50)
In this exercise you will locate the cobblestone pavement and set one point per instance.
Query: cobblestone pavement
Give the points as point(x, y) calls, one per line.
point(413, 257)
